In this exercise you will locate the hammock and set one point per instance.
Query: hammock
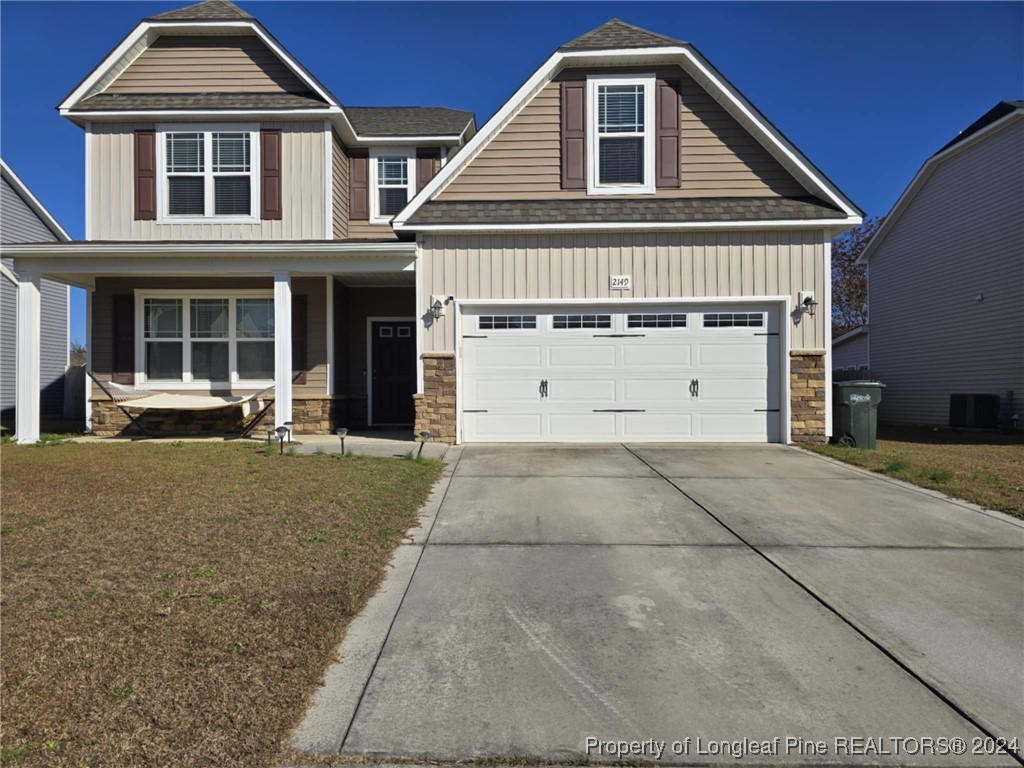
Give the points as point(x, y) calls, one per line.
point(139, 400)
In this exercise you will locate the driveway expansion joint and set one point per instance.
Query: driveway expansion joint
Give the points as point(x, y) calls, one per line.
point(820, 599)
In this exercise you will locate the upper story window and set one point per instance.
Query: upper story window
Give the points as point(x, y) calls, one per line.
point(209, 173)
point(621, 123)
point(393, 173)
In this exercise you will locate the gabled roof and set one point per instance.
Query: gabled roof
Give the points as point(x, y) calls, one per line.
point(32, 201)
point(209, 10)
point(130, 102)
point(999, 116)
point(618, 34)
point(860, 330)
point(409, 121)
point(622, 211)
point(617, 40)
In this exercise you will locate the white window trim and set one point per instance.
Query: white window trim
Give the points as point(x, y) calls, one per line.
point(208, 129)
point(649, 82)
point(409, 153)
point(186, 321)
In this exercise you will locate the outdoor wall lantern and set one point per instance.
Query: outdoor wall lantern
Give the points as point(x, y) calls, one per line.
point(281, 432)
point(807, 302)
point(437, 306)
point(341, 432)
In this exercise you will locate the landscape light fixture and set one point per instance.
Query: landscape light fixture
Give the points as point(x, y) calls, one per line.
point(288, 425)
point(270, 434)
point(341, 432)
point(424, 436)
point(281, 432)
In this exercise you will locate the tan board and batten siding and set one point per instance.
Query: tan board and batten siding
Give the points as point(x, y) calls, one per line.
point(303, 188)
point(662, 265)
point(231, 64)
point(718, 158)
point(961, 237)
point(314, 288)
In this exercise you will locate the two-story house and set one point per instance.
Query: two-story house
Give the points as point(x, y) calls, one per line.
point(626, 250)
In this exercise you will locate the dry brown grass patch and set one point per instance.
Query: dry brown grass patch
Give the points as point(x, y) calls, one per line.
point(176, 604)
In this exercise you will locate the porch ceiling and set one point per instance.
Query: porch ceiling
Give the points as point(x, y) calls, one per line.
point(377, 279)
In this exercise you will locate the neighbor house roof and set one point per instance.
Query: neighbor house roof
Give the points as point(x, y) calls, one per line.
point(32, 202)
point(622, 210)
point(860, 330)
point(999, 111)
point(999, 116)
point(210, 10)
point(142, 101)
point(408, 121)
point(618, 34)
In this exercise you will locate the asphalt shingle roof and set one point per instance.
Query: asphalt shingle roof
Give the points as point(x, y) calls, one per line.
point(999, 111)
point(623, 210)
point(618, 34)
point(210, 10)
point(143, 101)
point(408, 121)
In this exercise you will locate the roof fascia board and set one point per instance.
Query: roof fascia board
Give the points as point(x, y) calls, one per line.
point(738, 103)
point(241, 249)
point(131, 115)
point(859, 330)
point(629, 226)
point(33, 203)
point(924, 174)
point(163, 26)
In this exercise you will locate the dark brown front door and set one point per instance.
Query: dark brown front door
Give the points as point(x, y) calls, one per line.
point(393, 372)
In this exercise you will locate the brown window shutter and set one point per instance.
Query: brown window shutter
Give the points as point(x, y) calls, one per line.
point(145, 175)
point(299, 339)
point(666, 155)
point(427, 161)
point(574, 135)
point(359, 186)
point(122, 369)
point(271, 204)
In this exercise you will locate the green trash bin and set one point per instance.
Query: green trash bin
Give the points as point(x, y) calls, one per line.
point(855, 412)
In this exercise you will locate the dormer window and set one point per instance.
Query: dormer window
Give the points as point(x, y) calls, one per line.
point(208, 174)
point(621, 127)
point(393, 172)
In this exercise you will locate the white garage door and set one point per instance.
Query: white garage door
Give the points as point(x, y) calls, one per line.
point(707, 373)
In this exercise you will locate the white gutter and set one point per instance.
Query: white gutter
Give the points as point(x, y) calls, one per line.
point(605, 226)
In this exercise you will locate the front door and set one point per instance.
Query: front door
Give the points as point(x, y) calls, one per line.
point(392, 371)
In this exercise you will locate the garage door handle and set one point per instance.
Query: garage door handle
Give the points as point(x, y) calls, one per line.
point(544, 388)
point(694, 388)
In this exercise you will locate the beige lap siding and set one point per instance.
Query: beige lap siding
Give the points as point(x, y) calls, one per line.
point(718, 157)
point(111, 206)
point(661, 265)
point(314, 288)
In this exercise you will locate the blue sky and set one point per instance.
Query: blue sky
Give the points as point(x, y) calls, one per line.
point(867, 90)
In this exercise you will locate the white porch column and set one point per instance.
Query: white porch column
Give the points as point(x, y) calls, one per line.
point(28, 352)
point(282, 348)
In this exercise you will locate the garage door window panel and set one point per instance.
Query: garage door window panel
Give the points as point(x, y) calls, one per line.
point(659, 320)
point(507, 322)
point(580, 322)
point(734, 320)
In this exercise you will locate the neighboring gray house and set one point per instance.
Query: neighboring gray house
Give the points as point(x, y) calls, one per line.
point(850, 351)
point(946, 277)
point(23, 219)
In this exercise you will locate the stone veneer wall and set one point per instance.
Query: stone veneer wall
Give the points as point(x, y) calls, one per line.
point(310, 415)
point(435, 408)
point(807, 396)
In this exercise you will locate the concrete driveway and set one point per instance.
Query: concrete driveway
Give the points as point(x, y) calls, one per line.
point(558, 596)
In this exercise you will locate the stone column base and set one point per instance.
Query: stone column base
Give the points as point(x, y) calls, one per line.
point(435, 408)
point(807, 396)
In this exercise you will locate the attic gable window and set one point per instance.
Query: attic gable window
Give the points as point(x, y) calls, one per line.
point(393, 175)
point(621, 129)
point(208, 174)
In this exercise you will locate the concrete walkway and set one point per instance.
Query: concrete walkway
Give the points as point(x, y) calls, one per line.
point(555, 598)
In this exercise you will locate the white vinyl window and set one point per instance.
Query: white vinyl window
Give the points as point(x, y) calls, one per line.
point(393, 175)
point(208, 173)
point(205, 338)
point(621, 129)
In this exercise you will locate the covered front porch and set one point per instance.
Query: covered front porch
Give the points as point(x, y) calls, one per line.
point(326, 331)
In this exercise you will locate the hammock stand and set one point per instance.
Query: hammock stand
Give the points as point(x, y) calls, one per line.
point(125, 398)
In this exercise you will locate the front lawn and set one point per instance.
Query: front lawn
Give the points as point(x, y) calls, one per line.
point(985, 468)
point(175, 604)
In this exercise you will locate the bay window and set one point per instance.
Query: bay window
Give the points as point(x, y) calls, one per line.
point(621, 123)
point(393, 175)
point(206, 338)
point(209, 173)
